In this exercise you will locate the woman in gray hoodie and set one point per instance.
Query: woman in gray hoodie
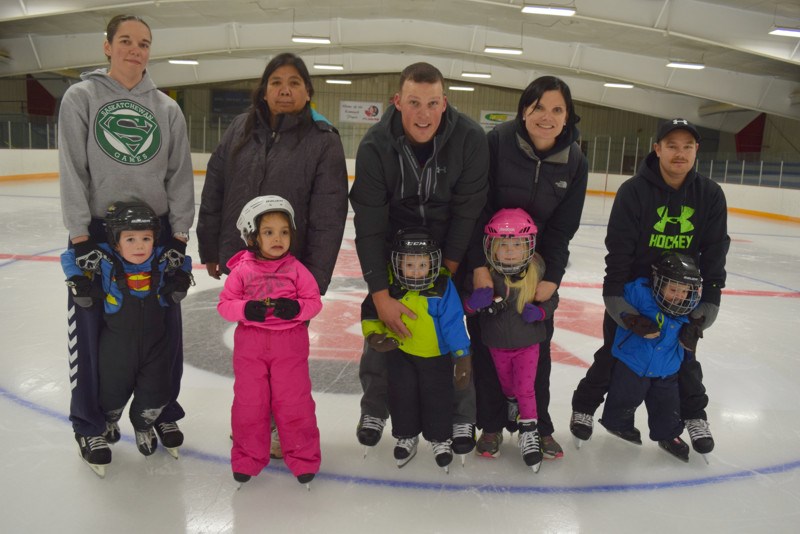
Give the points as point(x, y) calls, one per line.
point(120, 139)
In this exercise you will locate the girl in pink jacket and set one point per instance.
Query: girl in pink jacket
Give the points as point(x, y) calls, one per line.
point(272, 296)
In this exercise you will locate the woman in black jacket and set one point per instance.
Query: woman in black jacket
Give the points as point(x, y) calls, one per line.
point(537, 165)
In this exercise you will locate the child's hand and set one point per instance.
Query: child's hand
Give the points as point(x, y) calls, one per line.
point(462, 372)
point(691, 332)
point(532, 313)
point(255, 310)
point(286, 308)
point(174, 254)
point(480, 298)
point(641, 326)
point(81, 289)
point(381, 343)
point(88, 255)
point(176, 285)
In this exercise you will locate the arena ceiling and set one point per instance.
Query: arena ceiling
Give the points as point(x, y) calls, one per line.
point(747, 70)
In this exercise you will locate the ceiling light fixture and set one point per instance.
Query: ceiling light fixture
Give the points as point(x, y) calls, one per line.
point(310, 39)
point(184, 61)
point(685, 65)
point(503, 50)
point(619, 85)
point(328, 66)
point(339, 82)
point(461, 88)
point(558, 11)
point(484, 75)
point(785, 31)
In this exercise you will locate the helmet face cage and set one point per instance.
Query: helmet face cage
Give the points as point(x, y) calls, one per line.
point(677, 284)
point(416, 247)
point(247, 222)
point(134, 215)
point(510, 225)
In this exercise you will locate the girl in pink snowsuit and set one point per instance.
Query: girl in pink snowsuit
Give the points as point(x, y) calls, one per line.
point(272, 296)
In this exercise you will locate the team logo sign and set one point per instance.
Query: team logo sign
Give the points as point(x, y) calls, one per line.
point(127, 132)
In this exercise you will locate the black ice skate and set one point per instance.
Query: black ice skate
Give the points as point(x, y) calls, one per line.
point(95, 452)
point(676, 447)
point(700, 434)
point(369, 431)
point(581, 426)
point(306, 479)
point(631, 435)
point(463, 439)
point(171, 437)
point(529, 445)
point(146, 441)
point(405, 450)
point(241, 478)
point(443, 454)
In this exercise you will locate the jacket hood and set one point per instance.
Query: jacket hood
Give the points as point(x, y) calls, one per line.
point(101, 76)
point(246, 256)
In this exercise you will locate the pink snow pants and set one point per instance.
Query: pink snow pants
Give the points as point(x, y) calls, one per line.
point(516, 371)
point(271, 377)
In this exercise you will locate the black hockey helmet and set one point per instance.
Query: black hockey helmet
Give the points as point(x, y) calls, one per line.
point(674, 268)
point(416, 241)
point(130, 215)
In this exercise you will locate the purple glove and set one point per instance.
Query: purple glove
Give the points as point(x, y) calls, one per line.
point(532, 313)
point(480, 298)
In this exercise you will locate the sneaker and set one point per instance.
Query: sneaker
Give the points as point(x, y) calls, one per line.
point(551, 449)
point(488, 444)
point(581, 425)
point(111, 434)
point(169, 434)
point(146, 441)
point(405, 450)
point(94, 449)
point(241, 477)
point(633, 435)
point(463, 438)
point(275, 451)
point(529, 446)
point(442, 453)
point(700, 434)
point(676, 447)
point(513, 413)
point(370, 430)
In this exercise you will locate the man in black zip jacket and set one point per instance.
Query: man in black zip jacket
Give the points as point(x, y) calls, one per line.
point(665, 206)
point(423, 164)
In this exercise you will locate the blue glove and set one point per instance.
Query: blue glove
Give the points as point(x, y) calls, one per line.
point(480, 298)
point(532, 313)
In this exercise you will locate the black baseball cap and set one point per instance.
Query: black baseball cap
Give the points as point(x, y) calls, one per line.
point(676, 124)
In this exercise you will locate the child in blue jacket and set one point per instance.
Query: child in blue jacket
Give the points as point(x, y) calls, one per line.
point(650, 354)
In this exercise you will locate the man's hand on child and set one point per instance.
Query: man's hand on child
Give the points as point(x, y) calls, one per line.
point(641, 326)
point(177, 284)
point(691, 332)
point(81, 289)
point(381, 343)
point(286, 308)
point(480, 298)
point(532, 313)
point(255, 310)
point(462, 371)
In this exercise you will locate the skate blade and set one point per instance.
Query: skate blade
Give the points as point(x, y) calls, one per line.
point(446, 469)
point(536, 467)
point(366, 450)
point(463, 459)
point(705, 458)
point(173, 451)
point(404, 461)
point(99, 470)
point(308, 487)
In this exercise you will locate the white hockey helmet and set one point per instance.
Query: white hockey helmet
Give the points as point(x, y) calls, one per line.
point(258, 206)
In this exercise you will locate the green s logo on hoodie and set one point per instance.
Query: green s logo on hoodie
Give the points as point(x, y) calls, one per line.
point(127, 132)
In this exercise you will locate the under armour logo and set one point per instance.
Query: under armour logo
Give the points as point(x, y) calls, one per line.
point(682, 219)
point(680, 121)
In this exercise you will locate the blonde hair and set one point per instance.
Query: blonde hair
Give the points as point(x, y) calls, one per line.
point(526, 284)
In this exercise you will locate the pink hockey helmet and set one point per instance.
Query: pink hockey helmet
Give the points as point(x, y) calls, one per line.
point(517, 228)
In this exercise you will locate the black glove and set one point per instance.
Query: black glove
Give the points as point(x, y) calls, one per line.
point(176, 285)
point(174, 254)
point(381, 343)
point(81, 289)
point(255, 310)
point(462, 372)
point(691, 332)
point(88, 255)
point(639, 325)
point(286, 308)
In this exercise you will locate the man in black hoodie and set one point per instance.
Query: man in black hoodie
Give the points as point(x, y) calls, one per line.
point(423, 164)
point(665, 206)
